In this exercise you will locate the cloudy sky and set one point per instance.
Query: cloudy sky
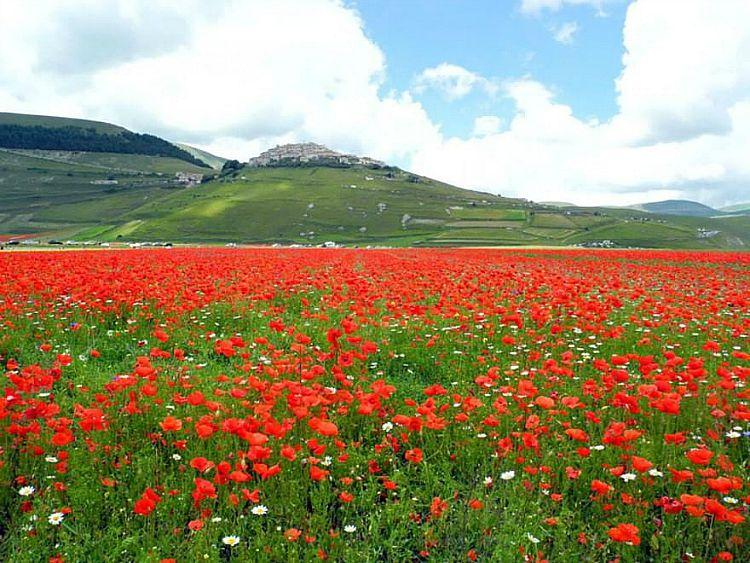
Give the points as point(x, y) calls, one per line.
point(588, 101)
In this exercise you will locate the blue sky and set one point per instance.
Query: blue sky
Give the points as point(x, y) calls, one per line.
point(495, 39)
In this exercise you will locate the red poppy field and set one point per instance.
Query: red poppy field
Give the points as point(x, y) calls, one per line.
point(374, 405)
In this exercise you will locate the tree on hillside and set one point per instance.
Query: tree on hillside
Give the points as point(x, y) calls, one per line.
point(231, 165)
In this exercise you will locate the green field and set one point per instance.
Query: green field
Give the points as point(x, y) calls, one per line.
point(45, 191)
point(115, 162)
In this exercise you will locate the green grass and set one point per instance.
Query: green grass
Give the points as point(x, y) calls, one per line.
point(115, 162)
point(313, 205)
point(50, 190)
point(488, 213)
point(215, 162)
point(552, 221)
point(27, 120)
point(279, 204)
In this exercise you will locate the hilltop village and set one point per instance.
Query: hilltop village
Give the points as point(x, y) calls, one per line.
point(303, 154)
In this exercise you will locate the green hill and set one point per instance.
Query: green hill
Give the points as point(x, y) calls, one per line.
point(29, 120)
point(63, 134)
point(117, 196)
point(215, 162)
point(678, 207)
point(318, 204)
point(68, 195)
point(738, 208)
point(312, 205)
point(61, 192)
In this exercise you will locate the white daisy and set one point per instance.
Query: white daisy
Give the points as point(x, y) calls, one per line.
point(26, 491)
point(231, 541)
point(628, 477)
point(260, 510)
point(55, 518)
point(349, 529)
point(507, 475)
point(387, 426)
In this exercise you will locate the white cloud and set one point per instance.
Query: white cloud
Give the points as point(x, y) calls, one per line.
point(230, 74)
point(686, 64)
point(486, 125)
point(682, 129)
point(535, 7)
point(453, 81)
point(565, 33)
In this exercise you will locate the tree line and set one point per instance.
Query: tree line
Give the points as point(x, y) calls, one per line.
point(71, 138)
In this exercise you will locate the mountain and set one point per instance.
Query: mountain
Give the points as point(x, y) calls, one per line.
point(215, 162)
point(737, 208)
point(302, 194)
point(678, 207)
point(31, 132)
point(52, 122)
point(388, 206)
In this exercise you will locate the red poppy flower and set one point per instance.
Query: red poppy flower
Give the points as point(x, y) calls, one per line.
point(625, 533)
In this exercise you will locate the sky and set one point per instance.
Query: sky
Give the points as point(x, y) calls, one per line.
point(594, 102)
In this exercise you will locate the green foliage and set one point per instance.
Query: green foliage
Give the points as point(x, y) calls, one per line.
point(70, 138)
point(231, 165)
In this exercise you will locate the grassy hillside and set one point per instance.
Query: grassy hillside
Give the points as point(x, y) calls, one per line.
point(108, 196)
point(28, 120)
point(215, 162)
point(66, 194)
point(63, 134)
point(678, 207)
point(738, 208)
point(61, 192)
point(359, 206)
point(310, 205)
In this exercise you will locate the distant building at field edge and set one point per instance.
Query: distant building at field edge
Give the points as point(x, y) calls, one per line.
point(188, 178)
